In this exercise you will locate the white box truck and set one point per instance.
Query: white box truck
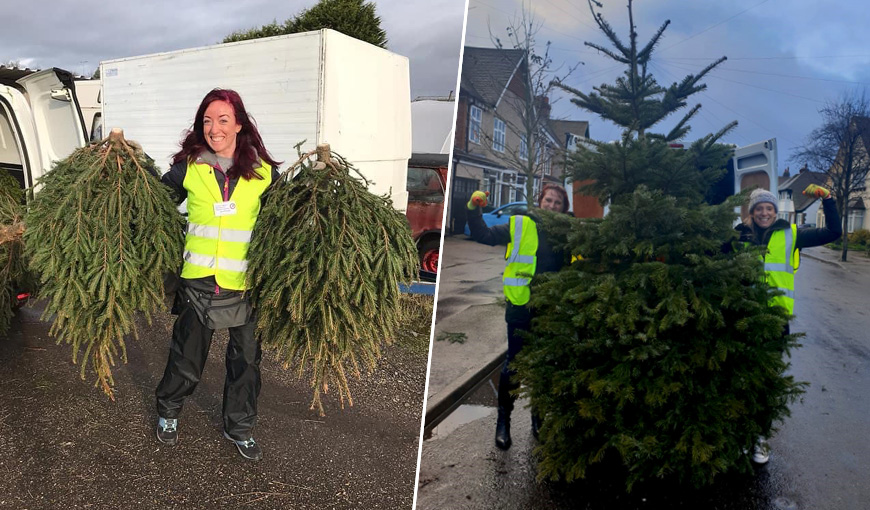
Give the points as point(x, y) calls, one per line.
point(321, 87)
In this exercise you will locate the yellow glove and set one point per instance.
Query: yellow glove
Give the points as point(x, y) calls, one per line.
point(478, 199)
point(817, 191)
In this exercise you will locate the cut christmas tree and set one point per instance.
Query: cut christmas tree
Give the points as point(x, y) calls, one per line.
point(101, 232)
point(658, 348)
point(13, 265)
point(324, 267)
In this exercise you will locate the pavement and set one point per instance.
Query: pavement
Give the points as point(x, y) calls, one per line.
point(856, 261)
point(470, 300)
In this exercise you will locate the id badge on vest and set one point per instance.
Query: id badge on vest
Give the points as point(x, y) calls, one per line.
point(227, 208)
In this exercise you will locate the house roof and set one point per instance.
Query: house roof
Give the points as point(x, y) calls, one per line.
point(863, 124)
point(575, 127)
point(486, 72)
point(797, 183)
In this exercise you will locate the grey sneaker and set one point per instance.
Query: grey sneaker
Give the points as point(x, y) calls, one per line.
point(761, 454)
point(248, 448)
point(167, 430)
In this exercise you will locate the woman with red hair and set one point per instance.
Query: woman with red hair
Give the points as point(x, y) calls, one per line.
point(222, 170)
point(528, 253)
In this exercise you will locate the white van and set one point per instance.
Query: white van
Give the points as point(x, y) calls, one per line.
point(40, 121)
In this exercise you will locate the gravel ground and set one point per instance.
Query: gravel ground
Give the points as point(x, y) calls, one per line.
point(66, 445)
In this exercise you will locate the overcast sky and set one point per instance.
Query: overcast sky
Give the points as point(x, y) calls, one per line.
point(78, 35)
point(785, 58)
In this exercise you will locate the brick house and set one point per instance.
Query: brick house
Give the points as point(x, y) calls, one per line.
point(490, 144)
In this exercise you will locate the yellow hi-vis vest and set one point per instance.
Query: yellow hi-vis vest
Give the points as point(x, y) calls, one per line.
point(780, 264)
point(521, 260)
point(218, 245)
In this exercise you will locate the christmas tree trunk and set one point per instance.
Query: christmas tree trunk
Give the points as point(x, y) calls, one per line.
point(102, 231)
point(325, 263)
point(659, 346)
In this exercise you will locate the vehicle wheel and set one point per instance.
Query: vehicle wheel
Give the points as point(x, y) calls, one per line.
point(428, 252)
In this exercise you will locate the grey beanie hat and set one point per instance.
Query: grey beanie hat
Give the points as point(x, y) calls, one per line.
point(760, 196)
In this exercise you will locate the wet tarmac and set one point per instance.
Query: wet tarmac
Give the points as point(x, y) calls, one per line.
point(820, 457)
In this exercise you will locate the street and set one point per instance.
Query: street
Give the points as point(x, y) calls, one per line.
point(66, 445)
point(820, 457)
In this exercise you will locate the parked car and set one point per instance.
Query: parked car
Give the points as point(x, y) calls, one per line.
point(501, 214)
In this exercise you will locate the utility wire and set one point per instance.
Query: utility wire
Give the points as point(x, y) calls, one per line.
point(572, 15)
point(716, 25)
point(771, 58)
point(710, 97)
point(776, 74)
point(703, 111)
point(751, 85)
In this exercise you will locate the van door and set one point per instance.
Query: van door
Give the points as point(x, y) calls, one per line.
point(57, 116)
point(19, 149)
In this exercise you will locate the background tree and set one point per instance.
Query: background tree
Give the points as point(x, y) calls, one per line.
point(531, 107)
point(658, 348)
point(355, 18)
point(838, 149)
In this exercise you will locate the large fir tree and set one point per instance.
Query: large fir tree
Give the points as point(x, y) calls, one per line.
point(659, 346)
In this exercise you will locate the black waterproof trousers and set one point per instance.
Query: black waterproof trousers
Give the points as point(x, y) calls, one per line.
point(519, 321)
point(188, 352)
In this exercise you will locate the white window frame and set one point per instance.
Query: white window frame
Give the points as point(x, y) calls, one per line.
point(499, 128)
point(524, 147)
point(855, 216)
point(475, 117)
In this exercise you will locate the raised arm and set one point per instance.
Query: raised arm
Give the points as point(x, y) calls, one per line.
point(832, 229)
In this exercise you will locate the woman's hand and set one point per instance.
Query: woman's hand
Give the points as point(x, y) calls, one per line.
point(478, 199)
point(817, 191)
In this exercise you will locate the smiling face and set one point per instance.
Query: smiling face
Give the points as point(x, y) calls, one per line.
point(552, 201)
point(764, 214)
point(220, 128)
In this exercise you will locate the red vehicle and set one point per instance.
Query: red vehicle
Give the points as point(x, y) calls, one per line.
point(427, 180)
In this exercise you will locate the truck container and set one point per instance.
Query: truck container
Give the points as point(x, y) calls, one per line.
point(313, 87)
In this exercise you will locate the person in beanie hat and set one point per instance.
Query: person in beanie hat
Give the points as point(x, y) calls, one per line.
point(783, 242)
point(760, 196)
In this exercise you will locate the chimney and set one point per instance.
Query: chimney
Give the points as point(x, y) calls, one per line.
point(786, 175)
point(544, 105)
point(804, 168)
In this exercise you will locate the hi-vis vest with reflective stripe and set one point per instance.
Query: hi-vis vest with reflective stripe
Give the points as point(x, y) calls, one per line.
point(780, 263)
point(521, 260)
point(218, 245)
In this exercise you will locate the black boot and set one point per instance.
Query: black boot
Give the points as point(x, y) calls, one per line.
point(503, 429)
point(536, 424)
point(505, 406)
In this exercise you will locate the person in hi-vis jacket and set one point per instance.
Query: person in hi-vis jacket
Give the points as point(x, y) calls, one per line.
point(783, 241)
point(222, 170)
point(528, 253)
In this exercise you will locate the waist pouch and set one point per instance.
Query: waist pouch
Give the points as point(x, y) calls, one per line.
point(218, 311)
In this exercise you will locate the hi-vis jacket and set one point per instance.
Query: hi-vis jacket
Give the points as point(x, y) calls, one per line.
point(783, 242)
point(218, 238)
point(545, 258)
point(521, 259)
point(780, 264)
